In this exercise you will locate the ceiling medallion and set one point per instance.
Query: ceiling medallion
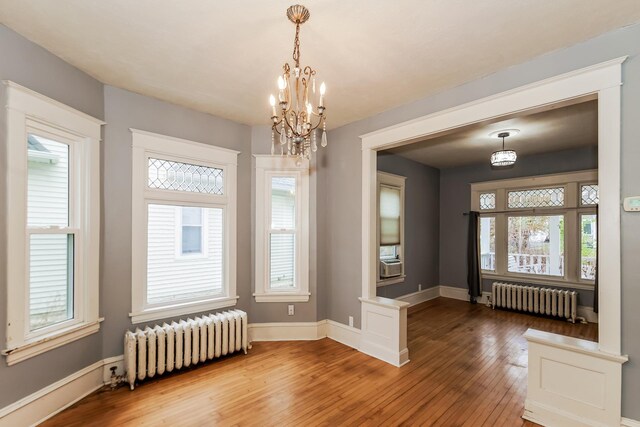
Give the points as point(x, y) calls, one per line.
point(302, 108)
point(503, 158)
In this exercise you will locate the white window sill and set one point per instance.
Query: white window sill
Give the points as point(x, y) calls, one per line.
point(48, 342)
point(282, 297)
point(537, 280)
point(182, 309)
point(390, 281)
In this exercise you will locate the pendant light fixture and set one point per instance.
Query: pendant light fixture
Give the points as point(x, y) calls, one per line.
point(502, 158)
point(301, 107)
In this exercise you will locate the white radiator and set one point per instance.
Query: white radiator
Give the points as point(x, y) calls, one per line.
point(154, 351)
point(532, 299)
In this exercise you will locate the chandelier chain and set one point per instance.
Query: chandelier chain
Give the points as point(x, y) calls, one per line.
point(296, 46)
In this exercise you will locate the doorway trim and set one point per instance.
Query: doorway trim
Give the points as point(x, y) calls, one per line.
point(602, 80)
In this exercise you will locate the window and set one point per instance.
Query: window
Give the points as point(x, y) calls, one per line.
point(282, 230)
point(184, 206)
point(536, 244)
point(588, 246)
point(540, 229)
point(391, 192)
point(53, 224)
point(488, 243)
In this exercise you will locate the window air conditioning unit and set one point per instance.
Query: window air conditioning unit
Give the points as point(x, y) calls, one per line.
point(390, 268)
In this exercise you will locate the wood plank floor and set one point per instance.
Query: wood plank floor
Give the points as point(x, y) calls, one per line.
point(468, 368)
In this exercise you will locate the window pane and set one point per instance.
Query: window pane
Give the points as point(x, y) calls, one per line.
point(589, 194)
point(538, 198)
point(50, 279)
point(191, 239)
point(536, 245)
point(487, 201)
point(169, 175)
point(588, 246)
point(48, 182)
point(283, 202)
point(488, 243)
point(282, 261)
point(191, 215)
point(388, 252)
point(171, 278)
point(389, 215)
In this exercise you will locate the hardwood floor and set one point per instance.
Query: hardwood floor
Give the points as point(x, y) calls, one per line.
point(468, 368)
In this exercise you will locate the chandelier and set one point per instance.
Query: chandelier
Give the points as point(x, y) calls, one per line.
point(301, 109)
point(502, 158)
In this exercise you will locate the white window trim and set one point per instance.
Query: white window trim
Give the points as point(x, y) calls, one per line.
point(145, 145)
point(398, 181)
point(266, 165)
point(571, 210)
point(25, 110)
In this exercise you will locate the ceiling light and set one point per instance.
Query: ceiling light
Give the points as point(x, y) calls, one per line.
point(503, 157)
point(302, 109)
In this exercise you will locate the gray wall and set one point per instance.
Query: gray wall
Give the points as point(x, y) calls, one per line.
point(455, 198)
point(35, 68)
point(125, 110)
point(341, 180)
point(421, 235)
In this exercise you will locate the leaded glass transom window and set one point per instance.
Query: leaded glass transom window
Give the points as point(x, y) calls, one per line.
point(170, 175)
point(536, 198)
point(487, 201)
point(589, 194)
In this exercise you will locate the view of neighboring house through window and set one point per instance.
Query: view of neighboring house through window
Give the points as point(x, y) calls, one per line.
point(51, 238)
point(183, 196)
point(588, 246)
point(282, 235)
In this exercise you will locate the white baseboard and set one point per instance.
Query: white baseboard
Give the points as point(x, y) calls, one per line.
point(462, 294)
point(628, 422)
point(45, 403)
point(287, 331)
point(347, 335)
point(421, 296)
point(118, 362)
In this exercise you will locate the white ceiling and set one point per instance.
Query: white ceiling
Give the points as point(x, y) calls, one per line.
point(558, 128)
point(222, 57)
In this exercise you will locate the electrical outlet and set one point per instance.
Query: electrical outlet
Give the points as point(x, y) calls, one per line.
point(351, 321)
point(419, 287)
point(291, 311)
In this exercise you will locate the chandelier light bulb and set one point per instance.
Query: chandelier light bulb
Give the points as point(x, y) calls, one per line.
point(323, 88)
point(272, 101)
point(281, 83)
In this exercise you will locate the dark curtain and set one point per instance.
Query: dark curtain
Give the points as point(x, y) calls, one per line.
point(473, 267)
point(595, 288)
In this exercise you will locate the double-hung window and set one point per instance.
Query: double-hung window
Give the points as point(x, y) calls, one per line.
point(53, 217)
point(282, 230)
point(184, 235)
point(390, 235)
point(539, 229)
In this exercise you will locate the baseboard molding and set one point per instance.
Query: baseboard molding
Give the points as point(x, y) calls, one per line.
point(551, 417)
point(109, 362)
point(45, 403)
point(588, 313)
point(424, 295)
point(628, 422)
point(347, 335)
point(287, 331)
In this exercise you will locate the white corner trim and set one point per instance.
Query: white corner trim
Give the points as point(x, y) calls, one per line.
point(48, 401)
point(60, 338)
point(628, 422)
point(424, 295)
point(347, 335)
